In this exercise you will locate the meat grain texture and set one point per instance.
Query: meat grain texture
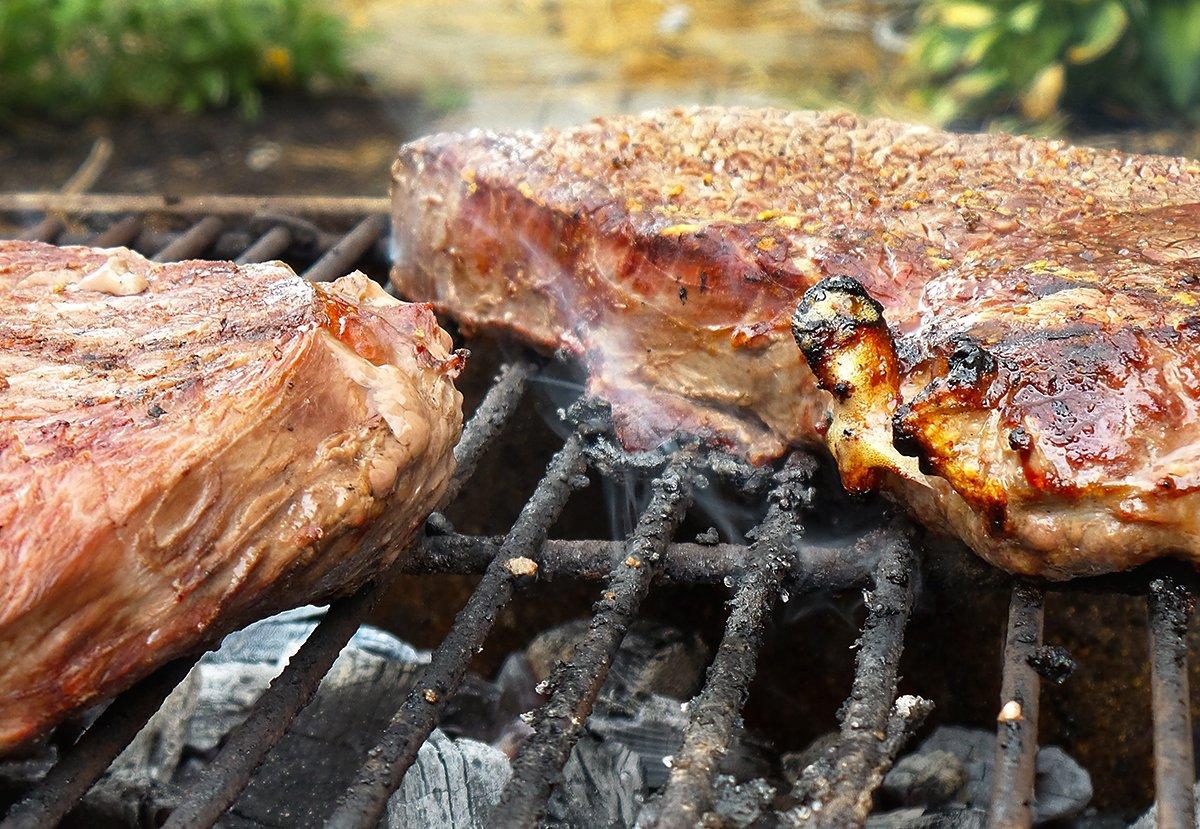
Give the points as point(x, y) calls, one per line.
point(1005, 332)
point(187, 447)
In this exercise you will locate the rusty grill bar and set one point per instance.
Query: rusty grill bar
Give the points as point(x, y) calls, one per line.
point(1170, 605)
point(875, 724)
point(575, 683)
point(715, 711)
point(1016, 737)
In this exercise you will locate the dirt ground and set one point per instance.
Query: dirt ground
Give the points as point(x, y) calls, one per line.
point(337, 145)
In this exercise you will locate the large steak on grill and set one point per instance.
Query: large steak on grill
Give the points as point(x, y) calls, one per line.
point(1006, 331)
point(186, 447)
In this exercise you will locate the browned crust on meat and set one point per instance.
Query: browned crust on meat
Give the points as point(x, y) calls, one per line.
point(219, 444)
point(1041, 301)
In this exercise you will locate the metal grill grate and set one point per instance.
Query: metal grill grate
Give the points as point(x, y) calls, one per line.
point(331, 236)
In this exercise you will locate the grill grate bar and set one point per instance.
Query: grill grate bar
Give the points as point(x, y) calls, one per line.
point(576, 683)
point(230, 772)
point(387, 763)
point(120, 232)
point(1170, 605)
point(192, 242)
point(1017, 729)
point(44, 231)
point(842, 784)
point(818, 566)
point(489, 419)
point(268, 246)
point(82, 765)
point(716, 710)
point(338, 260)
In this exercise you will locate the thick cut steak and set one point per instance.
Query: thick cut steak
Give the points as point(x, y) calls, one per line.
point(187, 447)
point(1005, 331)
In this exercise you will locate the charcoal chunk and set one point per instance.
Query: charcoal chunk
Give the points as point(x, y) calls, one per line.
point(926, 778)
point(454, 782)
point(1062, 788)
point(602, 785)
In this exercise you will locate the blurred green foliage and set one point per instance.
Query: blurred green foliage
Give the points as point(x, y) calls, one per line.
point(70, 58)
point(1122, 59)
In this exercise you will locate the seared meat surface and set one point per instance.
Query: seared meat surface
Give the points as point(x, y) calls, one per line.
point(1009, 337)
point(187, 447)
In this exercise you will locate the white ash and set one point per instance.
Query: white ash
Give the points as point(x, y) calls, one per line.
point(455, 782)
point(951, 771)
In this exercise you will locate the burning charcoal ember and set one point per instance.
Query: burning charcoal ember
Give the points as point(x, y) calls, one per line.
point(927, 776)
point(602, 785)
point(455, 783)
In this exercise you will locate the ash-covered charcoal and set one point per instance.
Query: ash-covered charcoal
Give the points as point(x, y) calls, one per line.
point(652, 659)
point(517, 683)
point(652, 728)
point(1149, 820)
point(474, 711)
point(18, 774)
point(793, 763)
point(741, 805)
point(602, 785)
point(744, 805)
point(639, 716)
point(313, 764)
point(960, 817)
point(454, 783)
point(926, 777)
point(642, 704)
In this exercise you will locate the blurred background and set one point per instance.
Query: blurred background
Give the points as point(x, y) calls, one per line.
point(307, 96)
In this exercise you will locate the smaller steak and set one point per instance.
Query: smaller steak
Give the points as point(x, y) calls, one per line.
point(187, 447)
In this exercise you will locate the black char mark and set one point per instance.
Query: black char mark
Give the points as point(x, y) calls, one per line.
point(831, 315)
point(969, 365)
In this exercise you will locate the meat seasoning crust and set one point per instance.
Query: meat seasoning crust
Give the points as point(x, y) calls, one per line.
point(1004, 331)
point(187, 447)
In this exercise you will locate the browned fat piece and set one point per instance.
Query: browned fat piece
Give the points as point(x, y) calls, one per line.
point(187, 447)
point(1014, 339)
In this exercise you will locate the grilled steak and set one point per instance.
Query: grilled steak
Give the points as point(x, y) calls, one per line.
point(186, 447)
point(1004, 331)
